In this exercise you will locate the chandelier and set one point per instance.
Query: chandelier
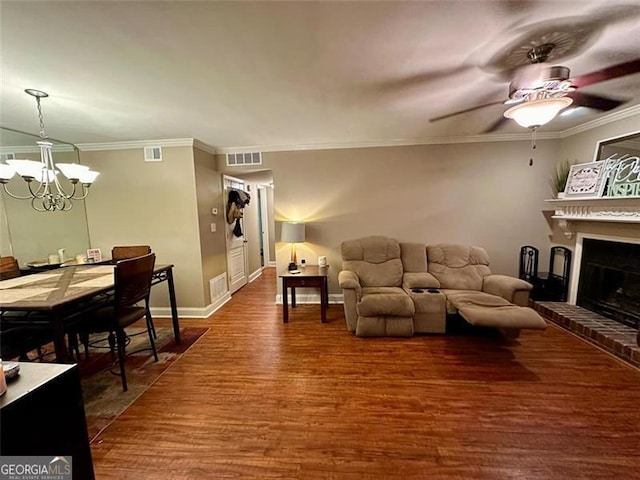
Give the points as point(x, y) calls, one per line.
point(41, 177)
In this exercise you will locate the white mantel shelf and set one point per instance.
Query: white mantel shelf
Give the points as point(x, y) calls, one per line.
point(568, 210)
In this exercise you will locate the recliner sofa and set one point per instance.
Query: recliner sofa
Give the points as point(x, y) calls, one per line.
point(398, 289)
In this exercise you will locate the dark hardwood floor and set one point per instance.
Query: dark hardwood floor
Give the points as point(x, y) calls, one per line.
point(256, 398)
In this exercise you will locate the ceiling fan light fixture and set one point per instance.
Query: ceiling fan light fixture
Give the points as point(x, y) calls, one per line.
point(535, 113)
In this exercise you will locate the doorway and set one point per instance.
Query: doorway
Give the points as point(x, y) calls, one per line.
point(236, 242)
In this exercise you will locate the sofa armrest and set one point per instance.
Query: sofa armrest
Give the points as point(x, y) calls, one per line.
point(419, 280)
point(512, 289)
point(348, 280)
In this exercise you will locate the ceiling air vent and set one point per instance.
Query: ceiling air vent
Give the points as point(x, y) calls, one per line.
point(152, 154)
point(246, 158)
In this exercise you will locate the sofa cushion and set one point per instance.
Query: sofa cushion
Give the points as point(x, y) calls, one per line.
point(384, 327)
point(459, 267)
point(399, 305)
point(414, 257)
point(375, 259)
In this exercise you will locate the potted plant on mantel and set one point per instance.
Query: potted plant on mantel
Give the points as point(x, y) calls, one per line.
point(559, 178)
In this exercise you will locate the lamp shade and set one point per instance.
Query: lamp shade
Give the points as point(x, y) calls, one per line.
point(292, 232)
point(535, 113)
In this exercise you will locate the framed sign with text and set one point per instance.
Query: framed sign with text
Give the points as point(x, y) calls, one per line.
point(622, 158)
point(586, 180)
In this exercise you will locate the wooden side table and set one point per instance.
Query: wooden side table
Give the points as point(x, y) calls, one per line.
point(311, 276)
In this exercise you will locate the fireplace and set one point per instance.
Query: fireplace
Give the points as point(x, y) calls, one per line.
point(610, 280)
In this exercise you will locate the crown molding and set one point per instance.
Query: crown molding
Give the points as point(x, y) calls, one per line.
point(172, 142)
point(393, 143)
point(604, 120)
point(205, 147)
point(35, 149)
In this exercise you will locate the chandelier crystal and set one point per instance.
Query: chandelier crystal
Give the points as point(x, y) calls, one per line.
point(42, 177)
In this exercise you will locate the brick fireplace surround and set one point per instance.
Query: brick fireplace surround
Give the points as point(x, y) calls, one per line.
point(576, 217)
point(612, 336)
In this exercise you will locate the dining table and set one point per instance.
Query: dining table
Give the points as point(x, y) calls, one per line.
point(61, 295)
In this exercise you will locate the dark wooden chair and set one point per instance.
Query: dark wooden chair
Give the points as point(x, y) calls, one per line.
point(132, 285)
point(129, 251)
point(554, 284)
point(9, 268)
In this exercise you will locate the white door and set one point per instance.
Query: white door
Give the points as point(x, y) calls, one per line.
point(236, 246)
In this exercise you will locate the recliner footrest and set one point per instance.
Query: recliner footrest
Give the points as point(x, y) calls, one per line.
point(486, 310)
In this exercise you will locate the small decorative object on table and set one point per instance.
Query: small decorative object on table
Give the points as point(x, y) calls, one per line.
point(95, 255)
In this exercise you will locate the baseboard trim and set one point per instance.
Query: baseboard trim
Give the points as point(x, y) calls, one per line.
point(255, 275)
point(312, 298)
point(192, 312)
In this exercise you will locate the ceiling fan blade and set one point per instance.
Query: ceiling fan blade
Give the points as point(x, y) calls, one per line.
point(581, 99)
point(442, 117)
point(615, 71)
point(496, 125)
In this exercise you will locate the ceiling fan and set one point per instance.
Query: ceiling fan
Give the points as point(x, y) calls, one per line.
point(540, 86)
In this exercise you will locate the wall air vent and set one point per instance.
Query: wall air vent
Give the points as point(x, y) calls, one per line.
point(246, 158)
point(152, 154)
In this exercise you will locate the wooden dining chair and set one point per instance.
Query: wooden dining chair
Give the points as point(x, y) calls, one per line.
point(132, 285)
point(122, 252)
point(129, 251)
point(9, 268)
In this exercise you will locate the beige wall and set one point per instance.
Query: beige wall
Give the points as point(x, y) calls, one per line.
point(154, 203)
point(5, 239)
point(475, 193)
point(210, 195)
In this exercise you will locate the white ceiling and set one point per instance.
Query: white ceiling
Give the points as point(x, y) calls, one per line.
point(269, 74)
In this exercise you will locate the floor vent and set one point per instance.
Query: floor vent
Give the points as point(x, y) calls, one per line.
point(152, 154)
point(218, 287)
point(246, 158)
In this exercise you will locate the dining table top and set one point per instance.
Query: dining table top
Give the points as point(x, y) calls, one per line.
point(55, 288)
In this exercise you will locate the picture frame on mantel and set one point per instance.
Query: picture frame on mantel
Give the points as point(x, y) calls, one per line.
point(622, 171)
point(586, 180)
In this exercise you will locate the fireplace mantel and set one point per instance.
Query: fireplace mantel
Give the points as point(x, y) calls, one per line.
point(567, 210)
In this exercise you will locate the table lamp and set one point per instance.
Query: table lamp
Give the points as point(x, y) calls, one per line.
point(292, 232)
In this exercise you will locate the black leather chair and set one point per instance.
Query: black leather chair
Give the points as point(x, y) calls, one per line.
point(132, 285)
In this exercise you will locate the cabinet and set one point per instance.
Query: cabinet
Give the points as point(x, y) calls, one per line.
point(42, 414)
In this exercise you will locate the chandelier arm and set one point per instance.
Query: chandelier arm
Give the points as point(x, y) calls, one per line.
point(85, 192)
point(17, 197)
point(34, 205)
point(40, 192)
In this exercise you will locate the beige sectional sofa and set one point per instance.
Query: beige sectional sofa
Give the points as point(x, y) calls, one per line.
point(397, 289)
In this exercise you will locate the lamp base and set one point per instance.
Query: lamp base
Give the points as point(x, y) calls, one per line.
point(292, 266)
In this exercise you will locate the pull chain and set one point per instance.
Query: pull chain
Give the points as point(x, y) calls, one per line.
point(533, 144)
